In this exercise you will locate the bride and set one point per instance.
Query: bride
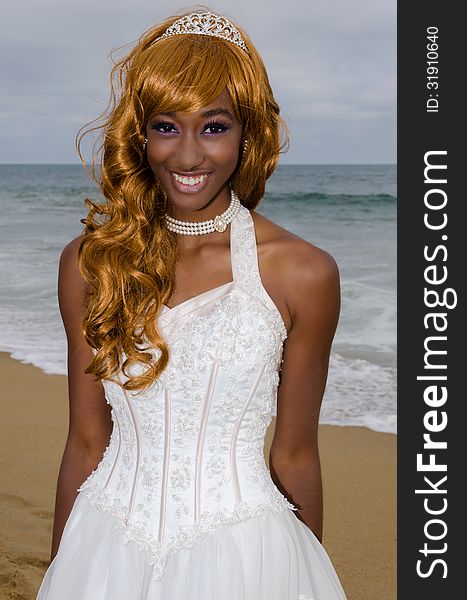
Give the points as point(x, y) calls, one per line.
point(191, 321)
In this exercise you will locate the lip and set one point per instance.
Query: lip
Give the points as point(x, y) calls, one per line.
point(189, 189)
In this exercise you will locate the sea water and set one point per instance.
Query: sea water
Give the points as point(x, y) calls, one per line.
point(347, 210)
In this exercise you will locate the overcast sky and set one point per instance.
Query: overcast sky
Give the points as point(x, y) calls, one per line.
point(332, 66)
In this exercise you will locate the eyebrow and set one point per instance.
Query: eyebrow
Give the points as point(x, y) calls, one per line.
point(217, 111)
point(206, 115)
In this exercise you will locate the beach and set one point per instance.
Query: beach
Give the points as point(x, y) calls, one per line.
point(359, 479)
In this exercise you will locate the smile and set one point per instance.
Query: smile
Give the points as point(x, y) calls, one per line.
point(189, 180)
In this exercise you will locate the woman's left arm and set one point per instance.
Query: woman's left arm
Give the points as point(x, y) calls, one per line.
point(311, 284)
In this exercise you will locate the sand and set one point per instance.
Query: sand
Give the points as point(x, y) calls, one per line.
point(359, 478)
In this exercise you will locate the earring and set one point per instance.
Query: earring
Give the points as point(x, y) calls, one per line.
point(145, 144)
point(245, 144)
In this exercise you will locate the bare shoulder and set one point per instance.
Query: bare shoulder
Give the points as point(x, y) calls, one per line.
point(302, 268)
point(72, 288)
point(69, 254)
point(68, 268)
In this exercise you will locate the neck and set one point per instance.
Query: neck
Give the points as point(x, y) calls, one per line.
point(215, 206)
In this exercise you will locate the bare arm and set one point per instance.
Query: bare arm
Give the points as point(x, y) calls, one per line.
point(89, 415)
point(313, 300)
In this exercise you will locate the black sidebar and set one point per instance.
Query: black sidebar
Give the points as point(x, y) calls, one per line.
point(432, 355)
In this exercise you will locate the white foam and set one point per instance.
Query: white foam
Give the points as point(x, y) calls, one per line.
point(34, 337)
point(377, 330)
point(360, 393)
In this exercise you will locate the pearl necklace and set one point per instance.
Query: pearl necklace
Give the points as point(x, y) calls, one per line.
point(219, 223)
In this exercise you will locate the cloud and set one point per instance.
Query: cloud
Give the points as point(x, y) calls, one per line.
point(332, 66)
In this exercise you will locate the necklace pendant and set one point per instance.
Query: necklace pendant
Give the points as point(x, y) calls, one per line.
point(219, 224)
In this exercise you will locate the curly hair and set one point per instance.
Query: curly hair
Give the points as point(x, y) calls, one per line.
point(126, 255)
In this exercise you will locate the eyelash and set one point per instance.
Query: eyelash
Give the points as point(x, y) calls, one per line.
point(215, 124)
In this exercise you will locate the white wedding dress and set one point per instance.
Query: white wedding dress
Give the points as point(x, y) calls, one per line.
point(182, 505)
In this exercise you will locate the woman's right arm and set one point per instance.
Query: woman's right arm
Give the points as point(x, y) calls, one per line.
point(90, 423)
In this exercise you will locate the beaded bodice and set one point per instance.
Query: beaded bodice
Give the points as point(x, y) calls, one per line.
point(186, 455)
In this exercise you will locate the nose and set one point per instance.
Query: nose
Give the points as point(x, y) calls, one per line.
point(190, 153)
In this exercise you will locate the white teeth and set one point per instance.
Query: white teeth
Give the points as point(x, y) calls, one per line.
point(189, 180)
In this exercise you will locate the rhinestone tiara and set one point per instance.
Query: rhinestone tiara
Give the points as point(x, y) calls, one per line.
point(206, 23)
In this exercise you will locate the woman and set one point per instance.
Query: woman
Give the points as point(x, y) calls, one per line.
point(189, 318)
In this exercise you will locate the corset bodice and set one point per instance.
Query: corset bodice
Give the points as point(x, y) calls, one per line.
point(186, 455)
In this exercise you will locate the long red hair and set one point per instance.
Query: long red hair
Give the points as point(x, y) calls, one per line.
point(126, 255)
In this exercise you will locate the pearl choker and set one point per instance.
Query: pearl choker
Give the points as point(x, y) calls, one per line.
point(219, 223)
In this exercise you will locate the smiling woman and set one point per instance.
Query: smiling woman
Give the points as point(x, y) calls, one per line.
point(165, 93)
point(191, 321)
point(196, 152)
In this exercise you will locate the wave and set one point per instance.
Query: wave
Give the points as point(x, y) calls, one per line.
point(336, 199)
point(360, 393)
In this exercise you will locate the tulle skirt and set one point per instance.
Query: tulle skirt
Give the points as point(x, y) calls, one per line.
point(271, 557)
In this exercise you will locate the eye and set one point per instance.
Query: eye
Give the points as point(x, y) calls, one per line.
point(216, 127)
point(163, 127)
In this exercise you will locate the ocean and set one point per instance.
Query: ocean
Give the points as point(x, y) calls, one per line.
point(348, 210)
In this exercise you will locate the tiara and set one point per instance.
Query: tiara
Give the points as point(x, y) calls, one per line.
point(206, 23)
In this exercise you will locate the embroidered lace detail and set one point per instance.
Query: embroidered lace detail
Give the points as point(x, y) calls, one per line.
point(186, 455)
point(184, 537)
point(248, 270)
